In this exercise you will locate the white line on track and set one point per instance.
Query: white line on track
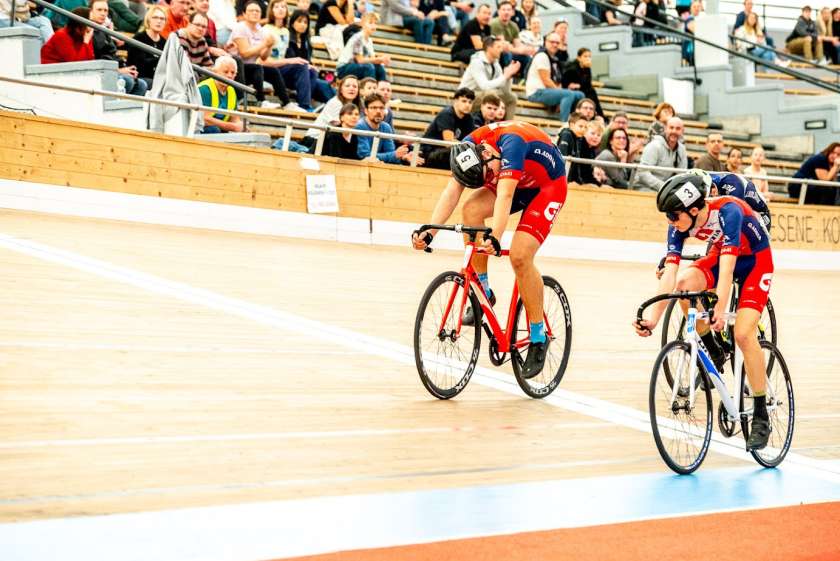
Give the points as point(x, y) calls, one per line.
point(216, 349)
point(578, 403)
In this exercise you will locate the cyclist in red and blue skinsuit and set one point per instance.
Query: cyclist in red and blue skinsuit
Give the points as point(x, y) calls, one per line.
point(513, 166)
point(738, 186)
point(740, 252)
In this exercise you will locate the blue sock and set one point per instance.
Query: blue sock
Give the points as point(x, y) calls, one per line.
point(485, 283)
point(538, 332)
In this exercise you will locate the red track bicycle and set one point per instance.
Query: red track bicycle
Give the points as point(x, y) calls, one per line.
point(446, 351)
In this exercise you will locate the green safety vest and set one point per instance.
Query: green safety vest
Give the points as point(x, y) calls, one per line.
point(214, 97)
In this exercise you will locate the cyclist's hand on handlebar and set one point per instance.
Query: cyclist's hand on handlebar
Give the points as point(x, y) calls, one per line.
point(660, 268)
point(421, 241)
point(644, 328)
point(719, 317)
point(490, 246)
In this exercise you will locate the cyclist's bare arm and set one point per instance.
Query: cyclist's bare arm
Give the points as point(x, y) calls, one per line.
point(667, 283)
point(443, 210)
point(501, 209)
point(726, 269)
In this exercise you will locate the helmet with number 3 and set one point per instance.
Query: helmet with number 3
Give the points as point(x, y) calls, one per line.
point(682, 192)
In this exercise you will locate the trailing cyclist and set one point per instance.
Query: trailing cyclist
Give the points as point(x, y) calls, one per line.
point(741, 252)
point(513, 166)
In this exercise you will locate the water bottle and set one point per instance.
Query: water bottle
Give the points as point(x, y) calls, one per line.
point(120, 85)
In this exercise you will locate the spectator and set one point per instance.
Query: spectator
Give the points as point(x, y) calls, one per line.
point(586, 107)
point(470, 40)
point(388, 153)
point(222, 96)
point(835, 31)
point(503, 26)
point(518, 17)
point(401, 13)
point(569, 140)
point(453, 122)
point(358, 57)
point(710, 161)
point(803, 40)
point(824, 167)
point(71, 43)
point(299, 46)
point(146, 63)
point(334, 12)
point(344, 144)
point(123, 18)
point(543, 84)
point(104, 48)
point(533, 35)
point(501, 111)
point(753, 33)
point(177, 16)
point(253, 44)
point(529, 12)
point(459, 13)
point(683, 6)
point(294, 70)
point(586, 174)
point(487, 110)
point(661, 114)
point(242, 4)
point(367, 86)
point(193, 40)
point(756, 172)
point(648, 9)
point(618, 143)
point(561, 28)
point(435, 11)
point(688, 27)
point(58, 20)
point(663, 151)
point(577, 75)
point(223, 14)
point(348, 92)
point(211, 34)
point(485, 75)
point(383, 88)
point(734, 161)
point(825, 31)
point(609, 16)
point(23, 15)
point(621, 121)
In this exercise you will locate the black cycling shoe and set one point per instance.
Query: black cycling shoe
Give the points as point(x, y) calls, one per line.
point(469, 317)
point(536, 359)
point(759, 434)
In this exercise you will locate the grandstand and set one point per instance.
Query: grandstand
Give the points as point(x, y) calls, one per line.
point(196, 364)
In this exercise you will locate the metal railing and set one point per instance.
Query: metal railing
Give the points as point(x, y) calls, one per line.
point(665, 29)
point(134, 43)
point(735, 39)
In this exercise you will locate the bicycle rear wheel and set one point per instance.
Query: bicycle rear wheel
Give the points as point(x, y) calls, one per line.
point(682, 430)
point(558, 325)
point(780, 408)
point(445, 359)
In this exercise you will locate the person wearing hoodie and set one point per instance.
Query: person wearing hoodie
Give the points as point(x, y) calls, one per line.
point(663, 151)
point(485, 75)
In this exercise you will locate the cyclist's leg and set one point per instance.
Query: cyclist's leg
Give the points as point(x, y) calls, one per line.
point(522, 251)
point(703, 275)
point(746, 324)
point(477, 208)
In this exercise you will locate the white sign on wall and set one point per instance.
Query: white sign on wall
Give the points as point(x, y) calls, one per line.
point(321, 195)
point(680, 94)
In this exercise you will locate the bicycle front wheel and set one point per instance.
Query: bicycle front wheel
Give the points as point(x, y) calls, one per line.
point(682, 430)
point(446, 358)
point(557, 316)
point(779, 408)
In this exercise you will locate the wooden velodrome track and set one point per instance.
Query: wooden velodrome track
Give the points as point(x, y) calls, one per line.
point(123, 394)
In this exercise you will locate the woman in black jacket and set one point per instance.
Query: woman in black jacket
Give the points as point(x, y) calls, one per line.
point(579, 72)
point(344, 145)
point(146, 63)
point(299, 46)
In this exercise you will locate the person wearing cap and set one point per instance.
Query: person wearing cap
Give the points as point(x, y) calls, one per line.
point(741, 253)
point(511, 167)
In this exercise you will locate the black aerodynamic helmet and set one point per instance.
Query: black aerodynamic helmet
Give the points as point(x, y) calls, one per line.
point(682, 192)
point(467, 165)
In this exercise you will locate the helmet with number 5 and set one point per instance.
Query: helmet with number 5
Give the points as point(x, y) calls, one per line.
point(682, 192)
point(467, 165)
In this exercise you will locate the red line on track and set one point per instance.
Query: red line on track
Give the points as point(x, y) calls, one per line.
point(799, 533)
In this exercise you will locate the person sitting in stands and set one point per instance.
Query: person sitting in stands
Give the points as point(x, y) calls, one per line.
point(823, 166)
point(383, 88)
point(104, 48)
point(453, 122)
point(344, 144)
point(299, 46)
point(348, 92)
point(617, 151)
point(570, 139)
point(24, 15)
point(710, 161)
point(485, 75)
point(405, 13)
point(71, 43)
point(470, 39)
point(193, 41)
point(587, 174)
point(222, 96)
point(577, 75)
point(295, 70)
point(177, 17)
point(545, 77)
point(146, 63)
point(533, 35)
point(661, 114)
point(487, 111)
point(388, 152)
point(734, 161)
point(358, 56)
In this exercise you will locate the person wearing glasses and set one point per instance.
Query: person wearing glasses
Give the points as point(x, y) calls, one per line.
point(741, 253)
point(543, 84)
point(104, 48)
point(373, 121)
point(193, 40)
point(146, 63)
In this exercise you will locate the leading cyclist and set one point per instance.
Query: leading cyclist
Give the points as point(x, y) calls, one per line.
point(513, 166)
point(740, 251)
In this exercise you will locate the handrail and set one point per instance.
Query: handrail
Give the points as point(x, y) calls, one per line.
point(416, 141)
point(663, 28)
point(137, 44)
